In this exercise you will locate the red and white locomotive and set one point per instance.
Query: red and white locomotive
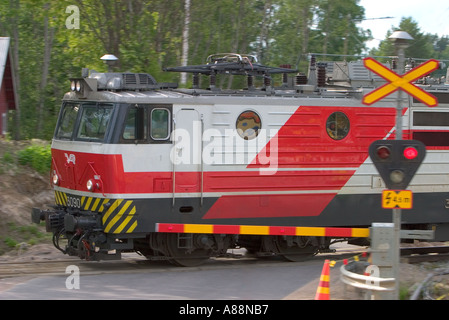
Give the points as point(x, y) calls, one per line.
point(186, 174)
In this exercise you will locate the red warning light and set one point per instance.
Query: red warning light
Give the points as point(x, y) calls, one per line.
point(410, 153)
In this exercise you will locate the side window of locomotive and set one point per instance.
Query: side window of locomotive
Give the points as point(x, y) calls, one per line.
point(136, 124)
point(337, 125)
point(430, 119)
point(431, 128)
point(67, 121)
point(94, 121)
point(160, 124)
point(248, 125)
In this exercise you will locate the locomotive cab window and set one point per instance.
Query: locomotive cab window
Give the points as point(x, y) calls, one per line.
point(67, 121)
point(84, 121)
point(160, 124)
point(136, 124)
point(94, 121)
point(337, 125)
point(146, 124)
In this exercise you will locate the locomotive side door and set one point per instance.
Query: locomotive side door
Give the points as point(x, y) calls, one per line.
point(186, 156)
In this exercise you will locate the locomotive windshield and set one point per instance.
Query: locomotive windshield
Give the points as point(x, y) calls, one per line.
point(84, 121)
point(132, 123)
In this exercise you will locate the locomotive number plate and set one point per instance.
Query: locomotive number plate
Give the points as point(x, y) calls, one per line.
point(73, 202)
point(402, 199)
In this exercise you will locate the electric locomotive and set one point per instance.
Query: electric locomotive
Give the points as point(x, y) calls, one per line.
point(277, 168)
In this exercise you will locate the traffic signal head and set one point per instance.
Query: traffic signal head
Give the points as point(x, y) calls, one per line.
point(397, 160)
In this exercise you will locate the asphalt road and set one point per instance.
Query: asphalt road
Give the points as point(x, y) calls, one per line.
point(246, 280)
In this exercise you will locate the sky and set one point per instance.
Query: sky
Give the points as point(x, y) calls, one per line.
point(432, 16)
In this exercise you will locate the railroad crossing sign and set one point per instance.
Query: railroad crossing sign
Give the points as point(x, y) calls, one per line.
point(400, 82)
point(392, 199)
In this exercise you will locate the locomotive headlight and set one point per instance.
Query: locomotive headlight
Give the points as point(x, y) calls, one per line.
point(93, 185)
point(55, 179)
point(90, 185)
point(79, 86)
point(73, 85)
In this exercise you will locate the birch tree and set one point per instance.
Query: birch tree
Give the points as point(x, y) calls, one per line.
point(185, 40)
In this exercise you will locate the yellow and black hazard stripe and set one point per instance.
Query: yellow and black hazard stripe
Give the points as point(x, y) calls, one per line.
point(61, 198)
point(93, 204)
point(118, 215)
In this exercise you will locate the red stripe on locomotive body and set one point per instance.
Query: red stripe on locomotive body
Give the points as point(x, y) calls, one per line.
point(166, 227)
point(109, 168)
point(288, 231)
point(293, 180)
point(303, 141)
point(226, 229)
point(76, 168)
point(269, 205)
point(338, 232)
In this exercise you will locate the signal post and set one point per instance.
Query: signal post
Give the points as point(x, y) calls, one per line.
point(397, 160)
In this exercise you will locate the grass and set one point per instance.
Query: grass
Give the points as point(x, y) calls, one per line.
point(36, 155)
point(20, 163)
point(16, 235)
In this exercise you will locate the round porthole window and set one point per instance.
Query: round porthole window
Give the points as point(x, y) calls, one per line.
point(248, 125)
point(337, 125)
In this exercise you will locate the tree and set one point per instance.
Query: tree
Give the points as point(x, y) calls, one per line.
point(290, 37)
point(185, 40)
point(149, 35)
point(339, 31)
point(420, 47)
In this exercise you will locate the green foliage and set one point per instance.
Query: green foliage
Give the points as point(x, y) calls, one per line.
point(38, 157)
point(17, 235)
point(10, 242)
point(8, 158)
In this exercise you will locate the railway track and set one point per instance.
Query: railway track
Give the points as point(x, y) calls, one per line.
point(425, 254)
point(59, 266)
point(132, 263)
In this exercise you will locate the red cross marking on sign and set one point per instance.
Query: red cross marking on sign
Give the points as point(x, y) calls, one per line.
point(397, 82)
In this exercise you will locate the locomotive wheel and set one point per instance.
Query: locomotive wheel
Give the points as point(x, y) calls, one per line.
point(181, 250)
point(295, 249)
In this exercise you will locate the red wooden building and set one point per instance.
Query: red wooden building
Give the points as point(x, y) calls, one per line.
point(7, 88)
